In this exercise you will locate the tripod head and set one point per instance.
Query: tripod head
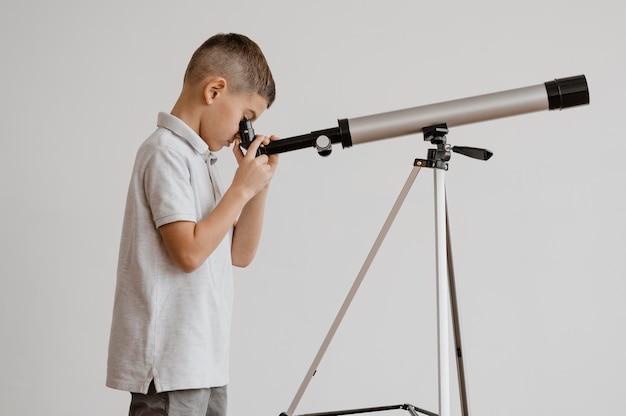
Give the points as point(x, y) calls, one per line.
point(438, 158)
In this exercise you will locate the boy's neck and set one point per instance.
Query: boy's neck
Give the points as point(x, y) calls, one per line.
point(187, 113)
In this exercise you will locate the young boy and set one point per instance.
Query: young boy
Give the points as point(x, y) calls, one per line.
point(182, 233)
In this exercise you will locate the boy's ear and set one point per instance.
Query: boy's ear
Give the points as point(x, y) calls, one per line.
point(213, 88)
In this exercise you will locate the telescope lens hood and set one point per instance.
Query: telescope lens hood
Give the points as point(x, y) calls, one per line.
point(567, 92)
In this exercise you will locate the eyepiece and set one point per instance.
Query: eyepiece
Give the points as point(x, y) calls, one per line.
point(567, 92)
point(246, 133)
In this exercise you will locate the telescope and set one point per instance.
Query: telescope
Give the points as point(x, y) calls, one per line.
point(433, 122)
point(552, 95)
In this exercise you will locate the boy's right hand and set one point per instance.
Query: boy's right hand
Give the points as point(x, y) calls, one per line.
point(254, 172)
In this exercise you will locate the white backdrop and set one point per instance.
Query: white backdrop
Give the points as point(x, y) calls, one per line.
point(538, 231)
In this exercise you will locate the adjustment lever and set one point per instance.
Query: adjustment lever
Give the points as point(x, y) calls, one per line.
point(473, 152)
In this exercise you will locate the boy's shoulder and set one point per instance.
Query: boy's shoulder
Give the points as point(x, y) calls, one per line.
point(161, 138)
point(162, 144)
point(173, 134)
point(171, 141)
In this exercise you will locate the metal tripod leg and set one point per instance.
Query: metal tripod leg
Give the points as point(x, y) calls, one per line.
point(443, 301)
point(456, 323)
point(446, 285)
point(355, 287)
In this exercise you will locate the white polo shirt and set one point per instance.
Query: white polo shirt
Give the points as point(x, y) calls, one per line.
point(168, 325)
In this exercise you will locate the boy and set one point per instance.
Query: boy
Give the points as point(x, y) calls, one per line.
point(183, 233)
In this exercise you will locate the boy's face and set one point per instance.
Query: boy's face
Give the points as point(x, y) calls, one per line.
point(220, 124)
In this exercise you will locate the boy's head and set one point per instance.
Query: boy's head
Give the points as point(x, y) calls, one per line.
point(237, 59)
point(227, 79)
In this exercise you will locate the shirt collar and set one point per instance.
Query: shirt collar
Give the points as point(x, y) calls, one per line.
point(181, 129)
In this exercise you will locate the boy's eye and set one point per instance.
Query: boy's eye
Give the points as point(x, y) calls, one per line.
point(249, 115)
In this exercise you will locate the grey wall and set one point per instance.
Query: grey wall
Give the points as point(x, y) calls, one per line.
point(538, 231)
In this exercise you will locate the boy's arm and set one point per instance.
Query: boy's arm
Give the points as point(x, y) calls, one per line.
point(189, 244)
point(247, 233)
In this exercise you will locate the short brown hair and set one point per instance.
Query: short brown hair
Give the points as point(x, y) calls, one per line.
point(236, 58)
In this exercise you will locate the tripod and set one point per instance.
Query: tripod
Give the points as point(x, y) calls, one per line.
point(447, 308)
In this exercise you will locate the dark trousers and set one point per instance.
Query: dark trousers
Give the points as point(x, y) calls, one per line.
point(197, 402)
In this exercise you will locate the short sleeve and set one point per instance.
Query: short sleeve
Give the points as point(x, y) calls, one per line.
point(167, 184)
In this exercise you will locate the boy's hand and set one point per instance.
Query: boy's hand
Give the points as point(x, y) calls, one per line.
point(254, 172)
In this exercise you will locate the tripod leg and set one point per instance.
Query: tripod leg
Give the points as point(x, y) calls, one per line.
point(443, 301)
point(355, 287)
point(456, 323)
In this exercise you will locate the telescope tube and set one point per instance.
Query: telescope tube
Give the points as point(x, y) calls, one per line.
point(551, 95)
point(557, 94)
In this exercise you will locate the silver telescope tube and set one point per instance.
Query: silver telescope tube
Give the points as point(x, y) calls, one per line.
point(557, 94)
point(550, 95)
point(453, 113)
